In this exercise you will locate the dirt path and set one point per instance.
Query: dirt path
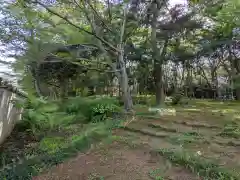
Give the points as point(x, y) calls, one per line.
point(136, 160)
point(118, 161)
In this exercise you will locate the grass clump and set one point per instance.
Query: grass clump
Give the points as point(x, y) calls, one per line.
point(154, 174)
point(231, 130)
point(206, 169)
point(186, 138)
point(52, 144)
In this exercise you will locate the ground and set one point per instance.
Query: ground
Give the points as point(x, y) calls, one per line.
point(200, 142)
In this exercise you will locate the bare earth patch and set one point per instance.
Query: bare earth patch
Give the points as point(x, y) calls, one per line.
point(117, 161)
point(195, 132)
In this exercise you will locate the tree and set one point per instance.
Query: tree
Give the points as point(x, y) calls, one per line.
point(99, 25)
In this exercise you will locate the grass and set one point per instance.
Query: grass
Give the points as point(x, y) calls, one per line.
point(231, 130)
point(55, 147)
point(154, 174)
point(203, 111)
point(54, 150)
point(50, 132)
point(95, 176)
point(188, 138)
point(207, 169)
point(221, 116)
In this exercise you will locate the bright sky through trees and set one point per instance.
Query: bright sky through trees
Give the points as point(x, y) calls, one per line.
point(8, 69)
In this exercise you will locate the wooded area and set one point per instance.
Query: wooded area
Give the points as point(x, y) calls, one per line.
point(87, 66)
point(149, 47)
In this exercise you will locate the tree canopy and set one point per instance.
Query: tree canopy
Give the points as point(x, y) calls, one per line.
point(133, 46)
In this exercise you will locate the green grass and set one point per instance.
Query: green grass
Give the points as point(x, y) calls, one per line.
point(52, 144)
point(53, 151)
point(207, 169)
point(204, 168)
point(187, 138)
point(231, 129)
point(154, 174)
point(52, 131)
point(54, 148)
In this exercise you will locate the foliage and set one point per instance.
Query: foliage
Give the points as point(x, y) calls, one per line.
point(51, 144)
point(53, 151)
point(93, 109)
point(176, 99)
point(206, 169)
point(41, 116)
point(231, 129)
point(64, 49)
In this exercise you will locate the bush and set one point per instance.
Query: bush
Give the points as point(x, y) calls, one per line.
point(51, 144)
point(92, 109)
point(42, 116)
point(179, 98)
point(176, 99)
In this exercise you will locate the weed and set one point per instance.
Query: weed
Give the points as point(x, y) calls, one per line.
point(155, 174)
point(231, 130)
point(51, 144)
point(187, 138)
point(54, 154)
point(196, 164)
point(94, 176)
point(159, 178)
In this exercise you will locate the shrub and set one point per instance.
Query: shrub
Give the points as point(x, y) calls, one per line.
point(39, 115)
point(176, 99)
point(51, 144)
point(179, 98)
point(100, 111)
point(92, 109)
point(42, 116)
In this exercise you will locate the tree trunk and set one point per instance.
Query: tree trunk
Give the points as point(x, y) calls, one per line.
point(159, 92)
point(235, 72)
point(175, 74)
point(123, 79)
point(158, 55)
point(128, 104)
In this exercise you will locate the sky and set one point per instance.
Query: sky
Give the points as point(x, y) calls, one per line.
point(174, 2)
point(8, 69)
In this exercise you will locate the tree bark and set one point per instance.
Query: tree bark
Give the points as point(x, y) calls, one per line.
point(235, 73)
point(158, 56)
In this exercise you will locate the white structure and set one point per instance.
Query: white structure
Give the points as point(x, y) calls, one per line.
point(9, 114)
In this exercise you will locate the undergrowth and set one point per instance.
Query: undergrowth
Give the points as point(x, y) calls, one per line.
point(187, 138)
point(52, 131)
point(231, 130)
point(52, 152)
point(198, 165)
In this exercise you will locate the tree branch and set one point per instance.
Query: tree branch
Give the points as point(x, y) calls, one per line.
point(98, 16)
point(76, 26)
